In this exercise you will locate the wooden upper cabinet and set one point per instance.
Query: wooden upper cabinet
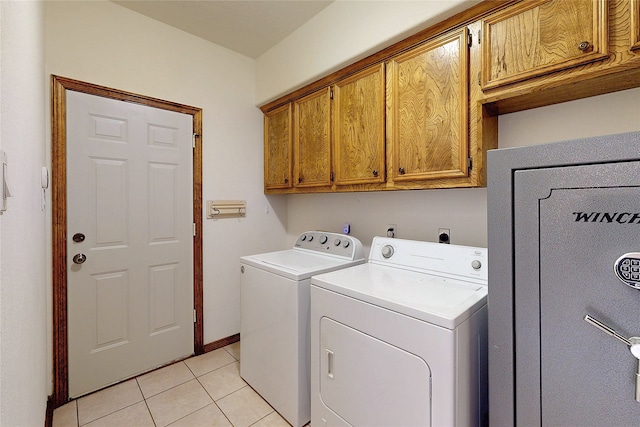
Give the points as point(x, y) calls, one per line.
point(312, 136)
point(536, 37)
point(278, 148)
point(359, 128)
point(427, 110)
point(635, 24)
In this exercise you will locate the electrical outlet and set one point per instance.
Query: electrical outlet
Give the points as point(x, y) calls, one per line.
point(392, 230)
point(444, 235)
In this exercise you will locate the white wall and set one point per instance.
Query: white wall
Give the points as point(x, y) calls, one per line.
point(599, 115)
point(346, 31)
point(23, 286)
point(341, 34)
point(103, 43)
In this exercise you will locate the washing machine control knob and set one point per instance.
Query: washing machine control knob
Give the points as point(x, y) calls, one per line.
point(336, 242)
point(323, 239)
point(345, 244)
point(387, 251)
point(476, 264)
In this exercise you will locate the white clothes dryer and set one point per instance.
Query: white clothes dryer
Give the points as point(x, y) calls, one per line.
point(402, 339)
point(274, 319)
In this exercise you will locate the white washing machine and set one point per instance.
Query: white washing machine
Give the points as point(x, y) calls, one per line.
point(274, 328)
point(402, 339)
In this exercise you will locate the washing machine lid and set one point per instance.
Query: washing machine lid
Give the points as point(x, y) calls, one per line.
point(438, 300)
point(297, 264)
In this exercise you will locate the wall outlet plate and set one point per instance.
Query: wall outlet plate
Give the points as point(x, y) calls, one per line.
point(444, 235)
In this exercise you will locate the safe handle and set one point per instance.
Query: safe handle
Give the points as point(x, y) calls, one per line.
point(633, 343)
point(606, 329)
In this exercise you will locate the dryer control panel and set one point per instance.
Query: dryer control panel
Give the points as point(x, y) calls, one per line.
point(455, 261)
point(341, 245)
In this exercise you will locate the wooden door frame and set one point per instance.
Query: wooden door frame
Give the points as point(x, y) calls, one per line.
point(59, 86)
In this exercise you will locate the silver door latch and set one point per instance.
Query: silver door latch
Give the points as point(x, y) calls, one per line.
point(632, 342)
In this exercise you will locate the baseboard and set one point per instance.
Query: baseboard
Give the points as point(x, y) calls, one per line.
point(48, 417)
point(221, 343)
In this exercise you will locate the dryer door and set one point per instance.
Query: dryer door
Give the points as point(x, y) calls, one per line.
point(368, 382)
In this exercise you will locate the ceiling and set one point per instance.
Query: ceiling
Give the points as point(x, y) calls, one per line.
point(247, 27)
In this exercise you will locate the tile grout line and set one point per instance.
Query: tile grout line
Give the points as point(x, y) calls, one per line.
point(197, 378)
point(146, 404)
point(257, 421)
point(211, 397)
point(114, 412)
point(170, 388)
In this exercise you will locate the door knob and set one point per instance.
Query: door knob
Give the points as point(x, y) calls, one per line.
point(79, 258)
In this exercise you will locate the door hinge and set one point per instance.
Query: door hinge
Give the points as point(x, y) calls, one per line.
point(193, 139)
point(469, 163)
point(195, 316)
point(194, 229)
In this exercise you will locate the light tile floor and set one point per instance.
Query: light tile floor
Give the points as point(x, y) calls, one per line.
point(204, 390)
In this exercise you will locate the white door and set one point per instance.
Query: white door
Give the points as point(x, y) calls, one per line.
point(129, 239)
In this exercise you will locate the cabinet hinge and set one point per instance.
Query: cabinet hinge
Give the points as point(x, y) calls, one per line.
point(469, 40)
point(331, 93)
point(332, 176)
point(194, 229)
point(479, 36)
point(479, 81)
point(195, 316)
point(469, 163)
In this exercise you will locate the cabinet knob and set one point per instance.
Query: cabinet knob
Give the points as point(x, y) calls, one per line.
point(286, 180)
point(401, 171)
point(584, 46)
point(299, 180)
point(374, 172)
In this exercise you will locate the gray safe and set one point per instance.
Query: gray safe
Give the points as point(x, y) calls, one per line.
point(564, 273)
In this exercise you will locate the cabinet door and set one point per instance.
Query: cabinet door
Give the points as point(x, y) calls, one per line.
point(359, 128)
point(427, 110)
point(312, 136)
point(537, 37)
point(278, 148)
